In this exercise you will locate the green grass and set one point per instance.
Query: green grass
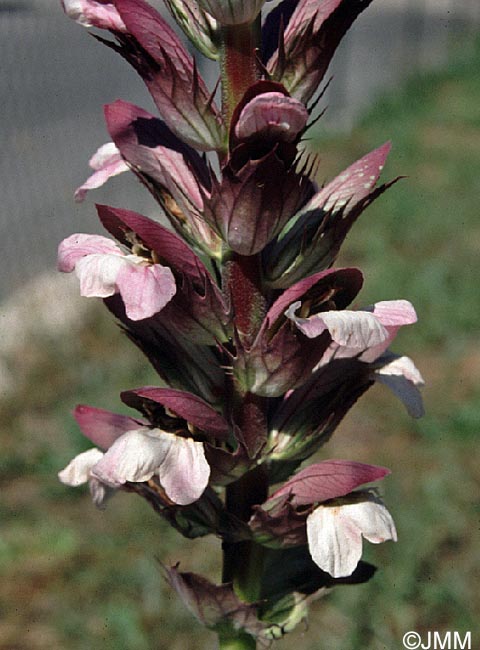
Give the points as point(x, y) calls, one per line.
point(75, 578)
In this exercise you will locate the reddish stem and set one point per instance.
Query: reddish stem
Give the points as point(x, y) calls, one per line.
point(239, 68)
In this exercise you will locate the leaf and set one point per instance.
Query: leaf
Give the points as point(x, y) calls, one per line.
point(215, 606)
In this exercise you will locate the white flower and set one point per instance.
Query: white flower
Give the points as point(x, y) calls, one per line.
point(335, 531)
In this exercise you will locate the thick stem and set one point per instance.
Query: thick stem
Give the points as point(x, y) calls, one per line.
point(241, 641)
point(238, 64)
point(243, 561)
point(242, 281)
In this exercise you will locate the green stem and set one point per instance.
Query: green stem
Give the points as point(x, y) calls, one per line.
point(243, 561)
point(241, 641)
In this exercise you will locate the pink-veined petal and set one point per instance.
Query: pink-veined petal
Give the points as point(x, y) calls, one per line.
point(392, 314)
point(78, 469)
point(184, 473)
point(145, 289)
point(94, 13)
point(135, 456)
point(395, 313)
point(107, 162)
point(273, 115)
point(334, 542)
point(98, 274)
point(73, 248)
point(353, 329)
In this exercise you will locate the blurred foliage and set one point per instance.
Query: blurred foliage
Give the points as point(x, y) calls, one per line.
point(75, 578)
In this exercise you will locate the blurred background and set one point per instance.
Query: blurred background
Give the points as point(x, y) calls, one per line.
point(73, 577)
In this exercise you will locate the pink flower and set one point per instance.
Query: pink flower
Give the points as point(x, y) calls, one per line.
point(140, 454)
point(106, 162)
point(335, 531)
point(104, 270)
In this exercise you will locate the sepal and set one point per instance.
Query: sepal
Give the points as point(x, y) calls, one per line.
point(249, 206)
point(170, 169)
point(403, 378)
point(308, 416)
point(170, 74)
point(309, 42)
point(199, 27)
point(179, 362)
point(206, 516)
point(310, 242)
point(262, 181)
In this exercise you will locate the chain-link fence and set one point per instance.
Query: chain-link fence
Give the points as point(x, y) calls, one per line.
point(54, 80)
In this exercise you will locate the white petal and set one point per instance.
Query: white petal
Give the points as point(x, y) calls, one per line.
point(335, 532)
point(135, 456)
point(94, 13)
point(184, 473)
point(334, 542)
point(403, 367)
point(104, 155)
point(354, 329)
point(372, 519)
point(78, 470)
point(98, 274)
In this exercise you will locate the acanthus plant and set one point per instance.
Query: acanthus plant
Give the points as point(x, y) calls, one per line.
point(238, 307)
